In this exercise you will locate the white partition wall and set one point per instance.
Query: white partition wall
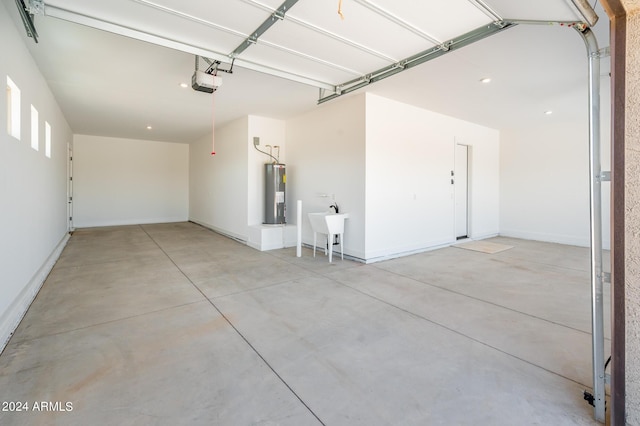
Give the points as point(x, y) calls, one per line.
point(410, 156)
point(326, 155)
point(124, 181)
point(33, 189)
point(389, 166)
point(409, 182)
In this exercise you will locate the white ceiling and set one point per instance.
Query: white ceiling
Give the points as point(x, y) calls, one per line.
point(111, 85)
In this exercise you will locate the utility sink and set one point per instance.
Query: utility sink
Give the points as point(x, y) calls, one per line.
point(329, 224)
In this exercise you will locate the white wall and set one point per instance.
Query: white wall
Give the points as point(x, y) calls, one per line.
point(218, 184)
point(545, 183)
point(124, 181)
point(326, 155)
point(409, 195)
point(33, 224)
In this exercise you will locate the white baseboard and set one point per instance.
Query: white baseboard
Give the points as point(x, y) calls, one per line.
point(406, 250)
point(549, 238)
point(10, 319)
point(127, 222)
point(484, 236)
point(390, 256)
point(224, 232)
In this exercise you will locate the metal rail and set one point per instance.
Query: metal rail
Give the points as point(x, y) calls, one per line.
point(276, 16)
point(596, 177)
point(417, 59)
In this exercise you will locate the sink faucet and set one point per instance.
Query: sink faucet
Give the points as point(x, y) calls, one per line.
point(335, 207)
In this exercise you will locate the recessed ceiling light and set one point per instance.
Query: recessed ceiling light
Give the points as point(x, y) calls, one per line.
point(549, 112)
point(485, 80)
point(184, 85)
point(149, 127)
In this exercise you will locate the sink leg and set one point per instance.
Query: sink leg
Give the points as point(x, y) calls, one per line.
point(329, 241)
point(341, 247)
point(315, 239)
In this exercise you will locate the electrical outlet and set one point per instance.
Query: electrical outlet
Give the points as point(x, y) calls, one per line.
point(256, 141)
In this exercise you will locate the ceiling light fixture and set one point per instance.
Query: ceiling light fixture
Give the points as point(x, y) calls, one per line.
point(549, 112)
point(149, 127)
point(184, 85)
point(485, 80)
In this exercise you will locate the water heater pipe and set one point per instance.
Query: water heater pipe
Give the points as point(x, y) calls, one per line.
point(277, 147)
point(275, 160)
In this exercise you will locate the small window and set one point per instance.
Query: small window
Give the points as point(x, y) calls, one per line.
point(47, 139)
point(34, 128)
point(13, 109)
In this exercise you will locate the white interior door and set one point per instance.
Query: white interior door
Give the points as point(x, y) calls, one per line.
point(461, 180)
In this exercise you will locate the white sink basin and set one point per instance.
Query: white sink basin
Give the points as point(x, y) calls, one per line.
point(330, 224)
point(327, 222)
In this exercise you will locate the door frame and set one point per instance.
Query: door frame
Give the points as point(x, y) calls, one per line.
point(70, 227)
point(468, 191)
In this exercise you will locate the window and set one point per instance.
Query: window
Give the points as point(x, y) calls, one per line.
point(13, 109)
point(47, 139)
point(34, 128)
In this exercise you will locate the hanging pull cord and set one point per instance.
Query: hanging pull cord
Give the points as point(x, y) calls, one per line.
point(340, 9)
point(213, 123)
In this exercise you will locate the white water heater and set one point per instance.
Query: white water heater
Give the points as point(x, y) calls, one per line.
point(275, 179)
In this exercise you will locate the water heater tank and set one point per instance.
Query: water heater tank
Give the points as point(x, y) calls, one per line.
point(275, 179)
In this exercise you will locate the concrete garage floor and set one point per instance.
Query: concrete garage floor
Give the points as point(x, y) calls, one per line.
point(174, 324)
